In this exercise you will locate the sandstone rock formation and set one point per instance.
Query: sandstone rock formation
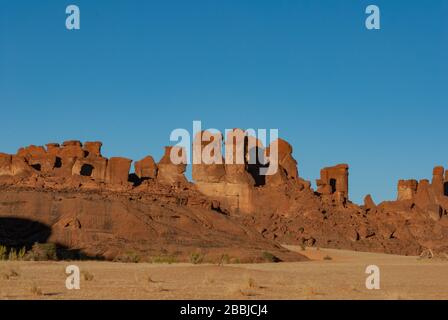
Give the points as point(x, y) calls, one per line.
point(407, 189)
point(431, 198)
point(369, 204)
point(169, 172)
point(231, 182)
point(94, 204)
point(146, 168)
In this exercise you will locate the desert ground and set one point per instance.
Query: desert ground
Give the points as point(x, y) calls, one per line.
point(331, 274)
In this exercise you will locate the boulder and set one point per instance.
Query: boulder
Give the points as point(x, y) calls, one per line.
point(146, 168)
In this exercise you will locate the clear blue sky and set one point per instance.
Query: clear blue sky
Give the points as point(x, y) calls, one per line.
point(136, 70)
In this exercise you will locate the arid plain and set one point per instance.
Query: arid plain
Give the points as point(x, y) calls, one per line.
point(331, 274)
point(63, 204)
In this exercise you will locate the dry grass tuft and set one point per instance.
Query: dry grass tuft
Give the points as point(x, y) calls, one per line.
point(10, 274)
point(248, 288)
point(87, 276)
point(251, 283)
point(35, 290)
point(247, 292)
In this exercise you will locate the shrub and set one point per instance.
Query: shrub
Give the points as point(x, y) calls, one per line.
point(10, 274)
point(87, 276)
point(128, 257)
point(327, 257)
point(42, 252)
point(251, 283)
point(21, 254)
point(196, 258)
point(12, 256)
point(164, 259)
point(225, 259)
point(3, 251)
point(35, 290)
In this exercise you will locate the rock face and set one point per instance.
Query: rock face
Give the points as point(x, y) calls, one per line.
point(118, 170)
point(87, 201)
point(156, 225)
point(230, 183)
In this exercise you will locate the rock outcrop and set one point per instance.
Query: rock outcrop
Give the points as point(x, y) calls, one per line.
point(429, 197)
point(169, 172)
point(95, 203)
point(230, 183)
point(334, 181)
point(146, 168)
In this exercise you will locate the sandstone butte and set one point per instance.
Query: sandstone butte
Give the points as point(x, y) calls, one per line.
point(95, 207)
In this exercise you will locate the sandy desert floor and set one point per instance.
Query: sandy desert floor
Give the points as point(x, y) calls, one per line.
point(342, 277)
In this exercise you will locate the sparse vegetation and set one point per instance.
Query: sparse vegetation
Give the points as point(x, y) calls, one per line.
point(35, 290)
point(12, 254)
point(251, 283)
point(3, 252)
point(248, 289)
point(128, 257)
point(8, 275)
point(225, 259)
point(87, 276)
point(42, 252)
point(164, 259)
point(21, 254)
point(196, 258)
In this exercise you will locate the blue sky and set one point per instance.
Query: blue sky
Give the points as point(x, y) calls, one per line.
point(136, 70)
